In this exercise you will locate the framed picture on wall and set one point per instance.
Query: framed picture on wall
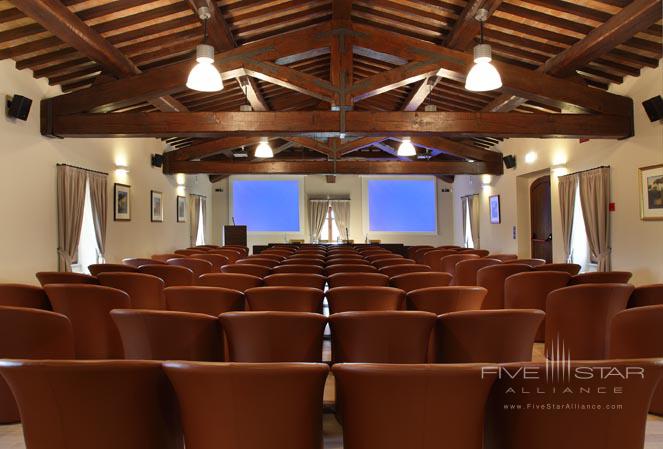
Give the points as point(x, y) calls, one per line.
point(651, 192)
point(494, 204)
point(181, 209)
point(121, 202)
point(156, 206)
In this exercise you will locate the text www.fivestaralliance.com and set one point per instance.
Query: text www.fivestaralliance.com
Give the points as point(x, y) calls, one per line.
point(571, 406)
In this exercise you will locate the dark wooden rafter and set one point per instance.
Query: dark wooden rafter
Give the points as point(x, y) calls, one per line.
point(311, 144)
point(252, 92)
point(420, 92)
point(211, 148)
point(357, 144)
point(466, 28)
point(457, 149)
point(217, 29)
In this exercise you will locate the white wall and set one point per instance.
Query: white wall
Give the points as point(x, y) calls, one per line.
point(345, 186)
point(28, 240)
point(637, 245)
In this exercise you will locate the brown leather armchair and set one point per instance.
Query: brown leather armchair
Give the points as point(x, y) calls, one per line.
point(601, 277)
point(487, 336)
point(358, 279)
point(439, 300)
point(448, 263)
point(57, 277)
point(187, 252)
point(164, 257)
point(234, 281)
point(372, 257)
point(346, 261)
point(391, 262)
point(21, 295)
point(646, 295)
point(396, 270)
point(412, 406)
point(277, 406)
point(264, 262)
point(259, 337)
point(420, 252)
point(232, 255)
point(88, 308)
point(167, 335)
point(478, 252)
point(263, 255)
point(252, 269)
point(466, 270)
point(504, 257)
point(27, 333)
point(303, 261)
point(530, 290)
point(171, 275)
point(198, 266)
point(299, 268)
point(433, 258)
point(492, 278)
point(116, 404)
point(414, 281)
point(531, 262)
point(579, 317)
point(381, 337)
point(217, 260)
point(366, 298)
point(137, 262)
point(296, 280)
point(201, 299)
point(284, 299)
point(571, 268)
point(638, 333)
point(333, 269)
point(412, 250)
point(97, 268)
point(145, 290)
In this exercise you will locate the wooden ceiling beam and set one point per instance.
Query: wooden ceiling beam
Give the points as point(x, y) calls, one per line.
point(341, 65)
point(454, 148)
point(290, 79)
point(420, 92)
point(466, 28)
point(393, 79)
point(252, 92)
point(211, 148)
point(448, 124)
point(357, 144)
point(336, 167)
point(311, 144)
point(217, 29)
point(341, 9)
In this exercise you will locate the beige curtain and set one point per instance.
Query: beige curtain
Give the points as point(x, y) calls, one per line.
point(71, 201)
point(464, 202)
point(594, 199)
point(194, 218)
point(567, 200)
point(203, 216)
point(317, 212)
point(473, 204)
point(341, 209)
point(99, 199)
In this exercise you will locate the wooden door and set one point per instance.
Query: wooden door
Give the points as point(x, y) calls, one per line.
point(541, 219)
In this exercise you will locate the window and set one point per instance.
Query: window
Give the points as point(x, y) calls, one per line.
point(330, 231)
point(266, 205)
point(402, 205)
point(580, 252)
point(200, 235)
point(88, 252)
point(468, 241)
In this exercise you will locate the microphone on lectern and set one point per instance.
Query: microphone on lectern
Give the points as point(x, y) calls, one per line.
point(234, 221)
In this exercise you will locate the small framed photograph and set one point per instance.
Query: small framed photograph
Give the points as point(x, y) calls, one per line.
point(121, 202)
point(651, 192)
point(494, 203)
point(181, 209)
point(156, 206)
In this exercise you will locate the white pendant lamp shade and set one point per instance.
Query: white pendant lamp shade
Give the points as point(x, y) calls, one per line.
point(263, 150)
point(483, 75)
point(204, 77)
point(406, 148)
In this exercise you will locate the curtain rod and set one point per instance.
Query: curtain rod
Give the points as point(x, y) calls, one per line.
point(471, 194)
point(84, 169)
point(195, 194)
point(583, 171)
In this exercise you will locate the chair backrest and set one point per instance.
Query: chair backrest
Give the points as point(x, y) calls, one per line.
point(492, 279)
point(278, 252)
point(88, 308)
point(136, 262)
point(97, 268)
point(263, 255)
point(277, 406)
point(21, 295)
point(241, 249)
point(269, 263)
point(381, 337)
point(487, 336)
point(30, 334)
point(164, 257)
point(529, 290)
point(570, 268)
point(448, 263)
point(296, 280)
point(346, 256)
point(412, 250)
point(284, 299)
point(395, 270)
point(299, 268)
point(303, 261)
point(342, 268)
point(579, 317)
point(420, 253)
point(436, 406)
point(171, 275)
point(365, 298)
point(531, 262)
point(433, 257)
point(553, 425)
point(56, 277)
point(145, 290)
point(217, 260)
point(232, 255)
point(644, 295)
point(202, 299)
point(414, 281)
point(439, 300)
point(381, 255)
point(168, 335)
point(358, 279)
point(346, 261)
point(504, 257)
point(601, 277)
point(233, 281)
point(198, 266)
point(187, 252)
point(466, 270)
point(478, 252)
point(254, 270)
point(259, 337)
point(392, 261)
point(102, 404)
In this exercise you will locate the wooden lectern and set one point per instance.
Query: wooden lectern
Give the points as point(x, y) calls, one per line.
point(234, 235)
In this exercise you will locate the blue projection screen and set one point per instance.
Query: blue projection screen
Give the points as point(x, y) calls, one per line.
point(401, 205)
point(266, 206)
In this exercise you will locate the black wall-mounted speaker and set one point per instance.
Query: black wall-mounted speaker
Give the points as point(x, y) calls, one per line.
point(157, 160)
point(19, 107)
point(509, 161)
point(654, 108)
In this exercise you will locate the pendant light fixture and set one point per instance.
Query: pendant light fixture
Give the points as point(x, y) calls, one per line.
point(204, 77)
point(483, 76)
point(406, 148)
point(263, 150)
